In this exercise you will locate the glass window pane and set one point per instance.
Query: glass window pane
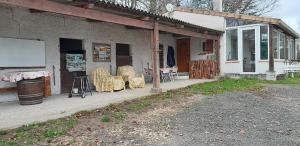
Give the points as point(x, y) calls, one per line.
point(298, 50)
point(275, 44)
point(290, 48)
point(282, 45)
point(235, 22)
point(232, 44)
point(264, 41)
point(293, 49)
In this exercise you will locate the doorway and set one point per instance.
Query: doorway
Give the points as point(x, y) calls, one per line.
point(123, 55)
point(249, 50)
point(69, 46)
point(183, 54)
point(161, 56)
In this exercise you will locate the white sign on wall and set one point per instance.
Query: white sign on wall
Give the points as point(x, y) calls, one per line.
point(22, 53)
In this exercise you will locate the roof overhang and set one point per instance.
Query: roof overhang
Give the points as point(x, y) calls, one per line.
point(277, 22)
point(169, 25)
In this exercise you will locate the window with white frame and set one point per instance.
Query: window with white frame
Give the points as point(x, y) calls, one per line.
point(289, 47)
point(281, 45)
point(298, 51)
point(232, 44)
point(264, 42)
point(278, 44)
point(275, 44)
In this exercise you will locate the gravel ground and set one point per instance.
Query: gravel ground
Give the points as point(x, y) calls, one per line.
point(269, 117)
point(256, 118)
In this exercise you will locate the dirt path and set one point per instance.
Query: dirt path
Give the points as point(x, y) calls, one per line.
point(268, 117)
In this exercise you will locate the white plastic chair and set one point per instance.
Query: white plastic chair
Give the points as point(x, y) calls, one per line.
point(174, 72)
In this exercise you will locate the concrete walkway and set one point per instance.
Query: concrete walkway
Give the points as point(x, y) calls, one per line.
point(13, 115)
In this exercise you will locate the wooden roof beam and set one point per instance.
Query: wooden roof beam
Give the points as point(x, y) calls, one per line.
point(89, 14)
point(54, 7)
point(186, 32)
point(35, 11)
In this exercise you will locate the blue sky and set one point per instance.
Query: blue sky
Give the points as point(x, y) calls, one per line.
point(289, 12)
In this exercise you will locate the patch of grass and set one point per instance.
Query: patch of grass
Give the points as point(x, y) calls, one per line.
point(8, 143)
point(227, 85)
point(3, 132)
point(166, 96)
point(243, 84)
point(287, 80)
point(105, 119)
point(33, 133)
point(143, 104)
point(119, 115)
point(27, 127)
point(53, 133)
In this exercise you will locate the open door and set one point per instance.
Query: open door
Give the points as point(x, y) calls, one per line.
point(183, 54)
point(161, 55)
point(69, 46)
point(249, 50)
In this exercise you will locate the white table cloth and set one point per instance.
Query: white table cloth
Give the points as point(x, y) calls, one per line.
point(18, 76)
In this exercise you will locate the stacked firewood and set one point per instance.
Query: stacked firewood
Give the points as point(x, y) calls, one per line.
point(204, 69)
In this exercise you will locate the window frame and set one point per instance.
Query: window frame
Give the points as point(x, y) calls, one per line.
point(237, 45)
point(279, 33)
point(282, 37)
point(268, 41)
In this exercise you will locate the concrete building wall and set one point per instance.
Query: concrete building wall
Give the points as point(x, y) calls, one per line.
point(168, 40)
point(20, 23)
point(197, 48)
point(213, 22)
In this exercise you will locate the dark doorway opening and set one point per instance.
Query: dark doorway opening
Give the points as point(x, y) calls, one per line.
point(69, 46)
point(161, 56)
point(123, 56)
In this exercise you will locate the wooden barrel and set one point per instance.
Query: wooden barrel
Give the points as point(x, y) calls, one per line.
point(31, 91)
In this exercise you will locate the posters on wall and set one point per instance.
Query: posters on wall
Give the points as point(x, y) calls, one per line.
point(101, 52)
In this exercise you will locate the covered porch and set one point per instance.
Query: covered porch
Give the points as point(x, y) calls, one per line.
point(13, 115)
point(87, 24)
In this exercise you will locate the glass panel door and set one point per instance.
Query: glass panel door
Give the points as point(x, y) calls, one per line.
point(249, 45)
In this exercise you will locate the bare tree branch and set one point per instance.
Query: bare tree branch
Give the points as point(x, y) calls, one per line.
point(250, 7)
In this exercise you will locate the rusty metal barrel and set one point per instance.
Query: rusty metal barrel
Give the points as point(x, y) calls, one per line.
point(31, 92)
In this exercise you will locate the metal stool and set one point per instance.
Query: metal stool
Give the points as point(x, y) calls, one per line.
point(84, 86)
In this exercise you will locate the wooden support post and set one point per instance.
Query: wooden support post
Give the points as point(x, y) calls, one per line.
point(271, 49)
point(155, 59)
point(218, 49)
point(271, 74)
